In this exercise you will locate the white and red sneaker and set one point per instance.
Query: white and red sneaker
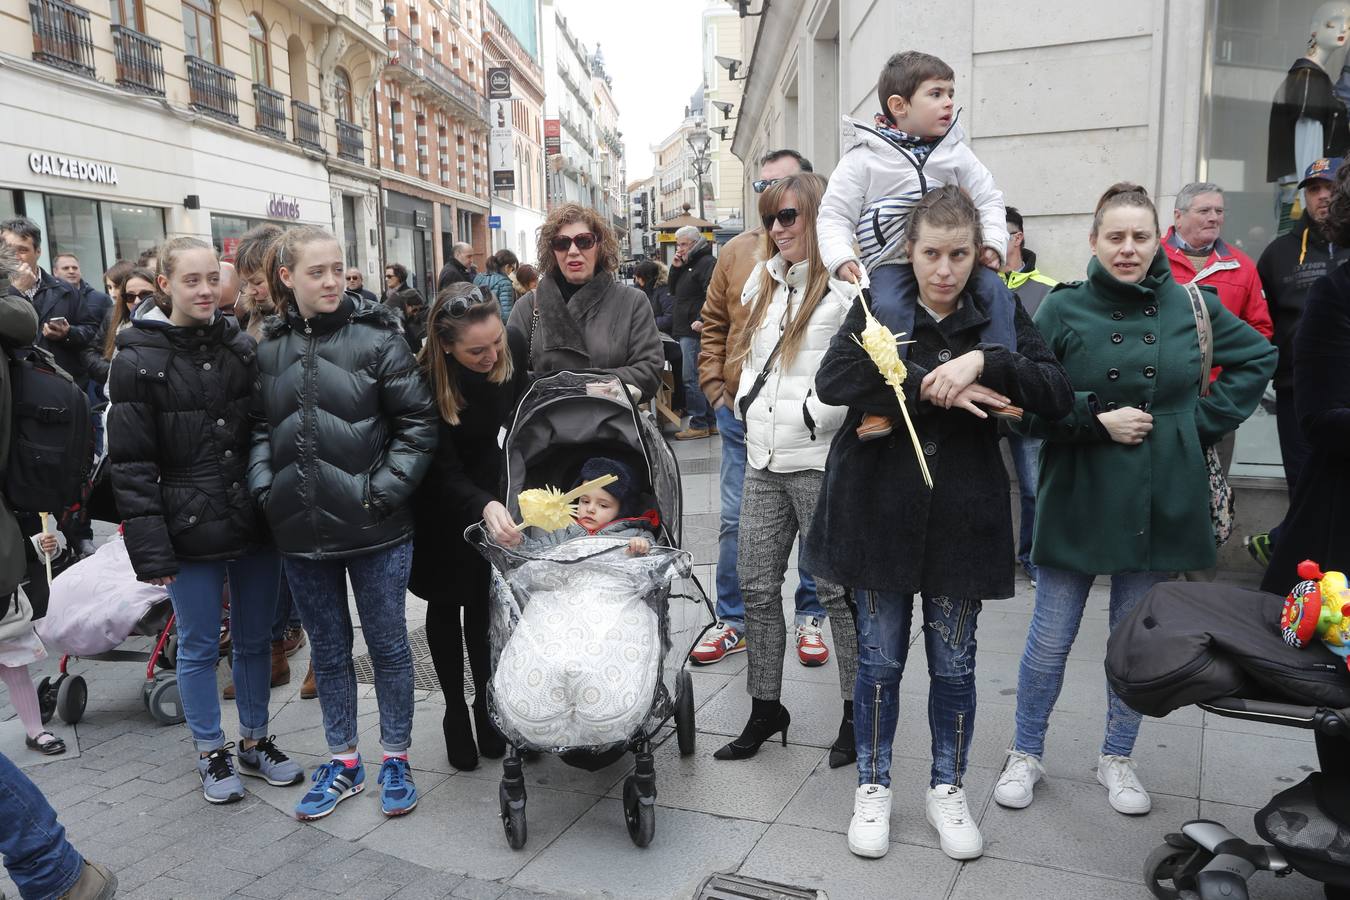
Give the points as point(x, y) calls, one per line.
point(811, 649)
point(721, 640)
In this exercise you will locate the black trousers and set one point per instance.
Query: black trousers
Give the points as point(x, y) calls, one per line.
point(447, 638)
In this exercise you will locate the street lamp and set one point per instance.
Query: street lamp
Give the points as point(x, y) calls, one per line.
point(698, 141)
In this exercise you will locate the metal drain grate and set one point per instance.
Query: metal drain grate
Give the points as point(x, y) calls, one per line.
point(740, 887)
point(703, 466)
point(424, 673)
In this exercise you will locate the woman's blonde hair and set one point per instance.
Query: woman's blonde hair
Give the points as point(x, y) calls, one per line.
point(443, 330)
point(284, 250)
point(809, 188)
point(607, 257)
point(168, 261)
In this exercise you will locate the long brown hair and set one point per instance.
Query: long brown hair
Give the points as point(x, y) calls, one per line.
point(809, 188)
point(606, 258)
point(121, 310)
point(443, 330)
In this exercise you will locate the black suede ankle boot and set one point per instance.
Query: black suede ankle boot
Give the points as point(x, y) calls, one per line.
point(844, 750)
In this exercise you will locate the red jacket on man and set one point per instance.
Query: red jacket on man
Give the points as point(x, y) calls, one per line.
point(1230, 272)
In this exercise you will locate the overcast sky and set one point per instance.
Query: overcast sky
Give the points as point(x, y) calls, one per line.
point(653, 52)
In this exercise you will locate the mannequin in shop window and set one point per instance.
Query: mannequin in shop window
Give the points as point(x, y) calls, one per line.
point(1309, 118)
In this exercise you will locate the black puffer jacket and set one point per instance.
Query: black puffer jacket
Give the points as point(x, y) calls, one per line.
point(689, 285)
point(348, 432)
point(178, 442)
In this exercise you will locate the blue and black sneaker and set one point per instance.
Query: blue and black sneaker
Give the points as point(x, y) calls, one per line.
point(333, 782)
point(398, 794)
point(220, 783)
point(266, 761)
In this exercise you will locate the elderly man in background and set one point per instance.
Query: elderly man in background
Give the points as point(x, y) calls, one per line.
point(229, 288)
point(456, 268)
point(357, 282)
point(690, 274)
point(1198, 254)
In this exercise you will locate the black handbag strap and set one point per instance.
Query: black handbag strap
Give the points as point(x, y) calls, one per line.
point(762, 377)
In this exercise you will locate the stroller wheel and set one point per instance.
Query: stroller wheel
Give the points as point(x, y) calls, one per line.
point(685, 732)
point(511, 796)
point(1169, 871)
point(46, 693)
point(72, 694)
point(639, 812)
point(164, 702)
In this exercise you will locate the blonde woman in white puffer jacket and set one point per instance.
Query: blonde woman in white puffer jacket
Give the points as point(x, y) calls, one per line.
point(795, 308)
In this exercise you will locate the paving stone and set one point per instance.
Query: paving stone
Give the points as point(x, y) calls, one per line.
point(429, 886)
point(1007, 880)
point(548, 771)
point(13, 744)
point(1267, 765)
point(1070, 826)
point(478, 889)
point(798, 856)
point(457, 828)
point(816, 708)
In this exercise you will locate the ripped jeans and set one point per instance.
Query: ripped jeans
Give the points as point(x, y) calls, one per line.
point(883, 646)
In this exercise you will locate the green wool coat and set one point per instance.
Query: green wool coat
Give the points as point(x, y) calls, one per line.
point(1104, 507)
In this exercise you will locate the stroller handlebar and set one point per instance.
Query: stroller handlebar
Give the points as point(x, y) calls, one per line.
point(1334, 722)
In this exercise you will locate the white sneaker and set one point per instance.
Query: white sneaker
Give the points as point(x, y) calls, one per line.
point(957, 832)
point(869, 832)
point(1127, 795)
point(1019, 777)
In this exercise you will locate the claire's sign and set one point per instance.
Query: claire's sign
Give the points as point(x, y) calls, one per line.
point(283, 208)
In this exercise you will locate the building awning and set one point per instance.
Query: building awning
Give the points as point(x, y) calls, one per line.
point(681, 221)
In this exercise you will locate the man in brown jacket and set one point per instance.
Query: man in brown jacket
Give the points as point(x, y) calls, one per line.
point(722, 332)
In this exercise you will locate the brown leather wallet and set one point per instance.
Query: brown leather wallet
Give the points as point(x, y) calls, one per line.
point(874, 427)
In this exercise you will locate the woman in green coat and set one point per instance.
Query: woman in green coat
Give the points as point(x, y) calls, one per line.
point(1123, 486)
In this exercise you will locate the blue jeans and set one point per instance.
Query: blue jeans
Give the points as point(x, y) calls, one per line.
point(695, 403)
point(196, 595)
point(286, 615)
point(730, 603)
point(40, 860)
point(883, 647)
point(1060, 598)
point(380, 585)
point(1026, 456)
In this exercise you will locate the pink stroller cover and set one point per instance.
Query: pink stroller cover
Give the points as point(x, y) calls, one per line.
point(96, 603)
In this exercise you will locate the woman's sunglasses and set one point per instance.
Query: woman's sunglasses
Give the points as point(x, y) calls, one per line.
point(562, 243)
point(784, 217)
point(460, 306)
point(137, 296)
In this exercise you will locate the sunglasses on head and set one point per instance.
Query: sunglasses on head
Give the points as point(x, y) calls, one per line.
point(764, 184)
point(585, 241)
point(784, 217)
point(459, 306)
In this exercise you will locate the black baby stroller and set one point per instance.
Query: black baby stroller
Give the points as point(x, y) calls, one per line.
point(1220, 647)
point(589, 642)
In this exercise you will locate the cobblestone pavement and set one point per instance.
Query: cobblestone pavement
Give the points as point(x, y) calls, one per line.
point(130, 797)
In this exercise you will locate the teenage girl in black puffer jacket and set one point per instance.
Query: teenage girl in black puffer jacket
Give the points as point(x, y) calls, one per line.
point(178, 438)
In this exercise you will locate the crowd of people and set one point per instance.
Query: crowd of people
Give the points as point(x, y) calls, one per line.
point(276, 427)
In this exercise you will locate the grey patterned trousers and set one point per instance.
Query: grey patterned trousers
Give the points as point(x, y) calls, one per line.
point(774, 508)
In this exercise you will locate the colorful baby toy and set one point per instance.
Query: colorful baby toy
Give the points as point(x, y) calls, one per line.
point(1319, 607)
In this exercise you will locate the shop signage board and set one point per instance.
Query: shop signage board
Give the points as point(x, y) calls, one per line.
point(552, 137)
point(494, 221)
point(72, 168)
point(280, 207)
point(502, 146)
point(499, 84)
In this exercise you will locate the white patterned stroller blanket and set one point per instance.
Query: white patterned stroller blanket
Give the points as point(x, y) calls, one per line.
point(582, 643)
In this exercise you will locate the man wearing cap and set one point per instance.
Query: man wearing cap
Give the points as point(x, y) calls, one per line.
point(1288, 268)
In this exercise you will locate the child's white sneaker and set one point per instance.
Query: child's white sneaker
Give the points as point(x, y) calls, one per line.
point(869, 832)
point(1017, 780)
point(1123, 790)
point(948, 812)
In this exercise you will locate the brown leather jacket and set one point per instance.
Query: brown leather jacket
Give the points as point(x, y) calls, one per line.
point(724, 316)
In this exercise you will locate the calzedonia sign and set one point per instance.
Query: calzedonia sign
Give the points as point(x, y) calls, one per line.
point(72, 168)
point(283, 208)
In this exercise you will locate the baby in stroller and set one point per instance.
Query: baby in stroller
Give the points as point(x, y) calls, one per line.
point(608, 511)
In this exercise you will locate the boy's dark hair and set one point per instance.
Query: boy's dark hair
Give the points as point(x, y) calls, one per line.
point(250, 254)
point(904, 72)
point(1014, 217)
point(775, 155)
point(1338, 217)
point(649, 272)
point(400, 272)
point(504, 258)
point(23, 227)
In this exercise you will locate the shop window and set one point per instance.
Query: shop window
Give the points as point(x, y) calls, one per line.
point(259, 52)
point(73, 227)
point(349, 228)
point(343, 95)
point(199, 30)
point(135, 229)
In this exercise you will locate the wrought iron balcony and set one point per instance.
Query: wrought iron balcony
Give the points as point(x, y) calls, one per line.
point(351, 142)
point(61, 36)
point(140, 61)
point(422, 71)
point(308, 131)
point(269, 111)
point(211, 89)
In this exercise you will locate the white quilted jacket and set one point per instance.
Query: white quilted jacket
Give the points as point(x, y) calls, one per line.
point(787, 429)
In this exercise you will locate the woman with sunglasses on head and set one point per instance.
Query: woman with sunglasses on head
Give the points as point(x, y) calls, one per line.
point(476, 370)
point(795, 309)
point(579, 317)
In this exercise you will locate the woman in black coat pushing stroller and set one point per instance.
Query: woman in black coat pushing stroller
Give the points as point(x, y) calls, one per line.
point(477, 371)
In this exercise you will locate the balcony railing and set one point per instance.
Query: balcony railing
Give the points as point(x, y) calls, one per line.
point(269, 111)
point(308, 131)
point(211, 89)
point(411, 57)
point(61, 36)
point(140, 62)
point(351, 142)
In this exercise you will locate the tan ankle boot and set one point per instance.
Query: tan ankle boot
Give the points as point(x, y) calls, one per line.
point(281, 669)
point(309, 690)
